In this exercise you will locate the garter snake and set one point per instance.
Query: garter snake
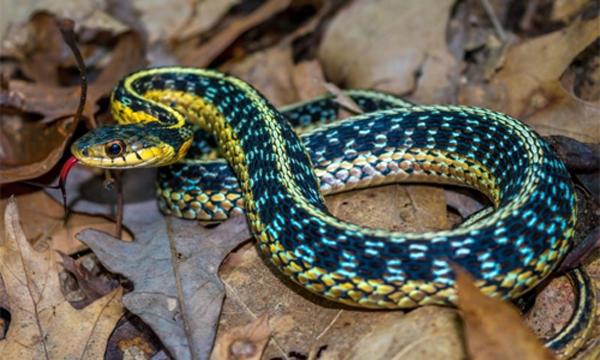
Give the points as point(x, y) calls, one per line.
point(508, 251)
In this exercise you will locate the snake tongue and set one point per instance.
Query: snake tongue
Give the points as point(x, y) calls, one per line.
point(64, 172)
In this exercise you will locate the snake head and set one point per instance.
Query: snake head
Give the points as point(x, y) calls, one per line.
point(131, 146)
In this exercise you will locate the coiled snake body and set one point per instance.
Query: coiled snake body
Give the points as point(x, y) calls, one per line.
point(508, 251)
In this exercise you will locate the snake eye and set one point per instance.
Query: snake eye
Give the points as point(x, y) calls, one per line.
point(115, 148)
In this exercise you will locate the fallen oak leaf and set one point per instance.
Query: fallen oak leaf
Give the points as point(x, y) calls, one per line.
point(494, 328)
point(246, 342)
point(173, 264)
point(43, 323)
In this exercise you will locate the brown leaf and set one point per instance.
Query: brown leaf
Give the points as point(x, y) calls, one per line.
point(386, 43)
point(394, 207)
point(425, 333)
point(43, 324)
point(563, 10)
point(244, 342)
point(204, 54)
point(48, 50)
point(344, 100)
point(565, 114)
point(90, 283)
point(30, 149)
point(493, 328)
point(308, 79)
point(182, 19)
point(270, 71)
point(133, 339)
point(528, 85)
point(42, 222)
point(173, 264)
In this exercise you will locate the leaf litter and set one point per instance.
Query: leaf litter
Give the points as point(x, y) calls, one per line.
point(406, 51)
point(41, 318)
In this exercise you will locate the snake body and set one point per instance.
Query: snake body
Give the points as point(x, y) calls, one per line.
point(508, 251)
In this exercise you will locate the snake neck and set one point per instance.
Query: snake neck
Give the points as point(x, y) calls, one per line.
point(235, 114)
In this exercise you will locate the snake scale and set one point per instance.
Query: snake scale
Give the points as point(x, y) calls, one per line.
point(509, 250)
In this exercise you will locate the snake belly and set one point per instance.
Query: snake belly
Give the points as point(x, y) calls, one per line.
point(508, 252)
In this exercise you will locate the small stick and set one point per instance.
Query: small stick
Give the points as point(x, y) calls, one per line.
point(494, 19)
point(66, 27)
point(120, 205)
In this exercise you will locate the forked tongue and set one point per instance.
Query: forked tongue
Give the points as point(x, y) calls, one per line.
point(62, 179)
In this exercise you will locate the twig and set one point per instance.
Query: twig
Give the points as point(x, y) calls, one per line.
point(114, 179)
point(581, 251)
point(120, 206)
point(66, 27)
point(494, 19)
point(530, 10)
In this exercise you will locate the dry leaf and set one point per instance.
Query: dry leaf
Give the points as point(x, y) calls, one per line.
point(269, 71)
point(344, 100)
point(528, 85)
point(394, 207)
point(308, 79)
point(43, 223)
point(14, 14)
point(182, 18)
point(385, 44)
point(133, 339)
point(493, 328)
point(562, 10)
point(244, 342)
point(204, 54)
point(425, 333)
point(88, 282)
point(173, 264)
point(43, 323)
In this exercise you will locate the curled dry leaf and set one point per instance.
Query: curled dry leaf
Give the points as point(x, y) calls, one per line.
point(173, 265)
point(133, 339)
point(43, 323)
point(89, 284)
point(385, 44)
point(244, 342)
point(493, 328)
